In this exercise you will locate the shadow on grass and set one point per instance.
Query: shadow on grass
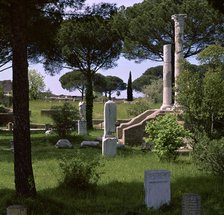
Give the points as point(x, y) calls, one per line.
point(118, 198)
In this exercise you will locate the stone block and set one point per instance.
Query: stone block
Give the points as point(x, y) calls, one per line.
point(89, 144)
point(191, 204)
point(82, 127)
point(63, 143)
point(109, 146)
point(16, 210)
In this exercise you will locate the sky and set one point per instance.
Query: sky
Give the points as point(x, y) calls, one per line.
point(122, 70)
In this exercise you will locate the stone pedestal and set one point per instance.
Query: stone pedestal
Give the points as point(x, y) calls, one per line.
point(191, 204)
point(16, 210)
point(109, 146)
point(167, 78)
point(157, 188)
point(82, 127)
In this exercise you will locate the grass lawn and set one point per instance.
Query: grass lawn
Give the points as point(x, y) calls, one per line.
point(120, 189)
point(37, 105)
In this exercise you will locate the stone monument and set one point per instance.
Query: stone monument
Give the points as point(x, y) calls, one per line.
point(167, 78)
point(109, 141)
point(82, 125)
point(157, 188)
point(179, 38)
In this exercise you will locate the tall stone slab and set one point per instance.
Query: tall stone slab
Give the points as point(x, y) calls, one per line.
point(82, 124)
point(157, 188)
point(82, 127)
point(109, 141)
point(167, 78)
point(179, 38)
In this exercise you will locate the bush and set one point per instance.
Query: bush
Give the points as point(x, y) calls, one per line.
point(64, 117)
point(166, 136)
point(79, 173)
point(209, 155)
point(3, 109)
point(137, 107)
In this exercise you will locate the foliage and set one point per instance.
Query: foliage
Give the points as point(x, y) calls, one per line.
point(209, 155)
point(153, 73)
point(74, 80)
point(3, 109)
point(63, 117)
point(218, 5)
point(113, 84)
point(166, 136)
point(146, 27)
point(201, 95)
point(99, 83)
point(108, 84)
point(154, 91)
point(213, 56)
point(78, 172)
point(1, 92)
point(36, 84)
point(129, 88)
point(137, 107)
point(89, 43)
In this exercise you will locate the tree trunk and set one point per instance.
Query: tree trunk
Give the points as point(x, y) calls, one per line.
point(24, 179)
point(82, 94)
point(109, 95)
point(89, 101)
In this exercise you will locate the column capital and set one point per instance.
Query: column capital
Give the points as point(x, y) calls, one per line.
point(179, 17)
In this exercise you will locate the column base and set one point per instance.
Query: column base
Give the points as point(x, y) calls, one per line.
point(166, 107)
point(109, 146)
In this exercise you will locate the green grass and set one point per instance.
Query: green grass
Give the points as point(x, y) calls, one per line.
point(98, 108)
point(120, 190)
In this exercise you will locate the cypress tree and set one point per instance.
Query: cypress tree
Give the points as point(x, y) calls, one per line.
point(129, 88)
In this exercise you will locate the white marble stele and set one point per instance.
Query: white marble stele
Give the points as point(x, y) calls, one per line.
point(82, 127)
point(109, 141)
point(157, 188)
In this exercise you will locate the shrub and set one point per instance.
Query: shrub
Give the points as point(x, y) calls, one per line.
point(79, 173)
point(64, 117)
point(209, 155)
point(3, 109)
point(166, 136)
point(138, 107)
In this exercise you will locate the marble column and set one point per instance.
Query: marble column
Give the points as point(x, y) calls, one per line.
point(179, 37)
point(167, 78)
